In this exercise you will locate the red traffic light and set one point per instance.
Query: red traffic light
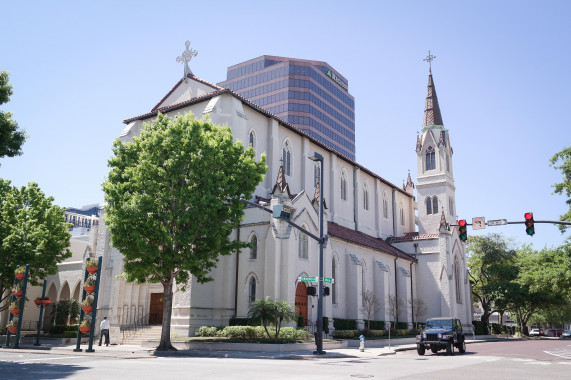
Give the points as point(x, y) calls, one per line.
point(462, 223)
point(528, 216)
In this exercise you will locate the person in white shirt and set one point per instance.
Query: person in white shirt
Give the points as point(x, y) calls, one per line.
point(104, 330)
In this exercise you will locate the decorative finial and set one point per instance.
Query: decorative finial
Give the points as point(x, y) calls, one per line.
point(186, 56)
point(429, 59)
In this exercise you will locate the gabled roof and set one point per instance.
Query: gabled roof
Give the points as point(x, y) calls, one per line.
point(261, 110)
point(360, 238)
point(281, 183)
point(214, 87)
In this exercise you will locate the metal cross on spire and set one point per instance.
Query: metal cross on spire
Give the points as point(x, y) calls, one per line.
point(429, 59)
point(186, 56)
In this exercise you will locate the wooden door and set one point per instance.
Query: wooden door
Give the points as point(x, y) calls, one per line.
point(156, 312)
point(301, 300)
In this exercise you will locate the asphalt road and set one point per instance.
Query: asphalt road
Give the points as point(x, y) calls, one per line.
point(530, 359)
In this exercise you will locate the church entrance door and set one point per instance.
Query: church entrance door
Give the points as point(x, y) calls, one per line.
point(301, 301)
point(156, 312)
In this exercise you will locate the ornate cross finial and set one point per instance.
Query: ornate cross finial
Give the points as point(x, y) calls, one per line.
point(186, 56)
point(429, 59)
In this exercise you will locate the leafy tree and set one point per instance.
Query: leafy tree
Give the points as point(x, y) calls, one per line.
point(32, 231)
point(65, 312)
point(564, 158)
point(370, 306)
point(173, 197)
point(491, 269)
point(11, 138)
point(269, 312)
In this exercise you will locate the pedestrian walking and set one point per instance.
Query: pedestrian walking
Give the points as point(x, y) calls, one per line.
point(104, 330)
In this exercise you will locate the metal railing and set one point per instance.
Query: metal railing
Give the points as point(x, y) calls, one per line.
point(132, 329)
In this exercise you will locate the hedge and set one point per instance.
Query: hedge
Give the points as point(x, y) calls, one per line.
point(374, 325)
point(344, 324)
point(70, 334)
point(480, 327)
point(287, 334)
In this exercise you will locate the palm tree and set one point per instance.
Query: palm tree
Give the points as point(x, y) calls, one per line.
point(262, 311)
point(286, 312)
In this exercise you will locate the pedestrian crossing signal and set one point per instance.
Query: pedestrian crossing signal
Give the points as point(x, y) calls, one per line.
point(529, 223)
point(462, 230)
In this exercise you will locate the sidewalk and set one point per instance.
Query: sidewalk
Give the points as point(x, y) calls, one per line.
point(373, 349)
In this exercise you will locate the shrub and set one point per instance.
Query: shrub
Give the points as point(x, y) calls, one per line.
point(374, 325)
point(344, 324)
point(235, 321)
point(234, 332)
point(378, 333)
point(70, 334)
point(207, 331)
point(496, 328)
point(345, 334)
point(402, 332)
point(57, 329)
point(480, 327)
point(401, 326)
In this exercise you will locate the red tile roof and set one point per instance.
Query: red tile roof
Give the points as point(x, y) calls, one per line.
point(360, 238)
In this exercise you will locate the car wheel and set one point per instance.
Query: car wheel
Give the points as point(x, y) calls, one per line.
point(450, 348)
point(420, 349)
point(434, 350)
point(462, 347)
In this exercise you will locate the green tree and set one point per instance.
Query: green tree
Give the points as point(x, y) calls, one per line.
point(562, 161)
point(491, 269)
point(32, 231)
point(11, 138)
point(269, 312)
point(173, 198)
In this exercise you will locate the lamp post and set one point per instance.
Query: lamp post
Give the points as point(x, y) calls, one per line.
point(319, 335)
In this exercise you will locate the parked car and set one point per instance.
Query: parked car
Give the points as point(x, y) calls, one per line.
point(554, 332)
point(441, 334)
point(537, 332)
point(566, 334)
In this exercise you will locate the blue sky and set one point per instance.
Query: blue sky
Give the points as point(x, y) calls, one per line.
point(502, 76)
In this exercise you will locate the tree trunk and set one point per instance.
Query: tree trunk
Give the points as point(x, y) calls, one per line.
point(165, 344)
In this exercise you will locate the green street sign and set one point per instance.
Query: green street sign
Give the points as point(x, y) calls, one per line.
point(308, 279)
point(328, 280)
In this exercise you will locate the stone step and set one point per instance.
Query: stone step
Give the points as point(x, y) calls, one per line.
point(145, 334)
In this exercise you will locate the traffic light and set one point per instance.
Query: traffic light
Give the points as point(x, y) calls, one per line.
point(326, 291)
point(529, 223)
point(311, 291)
point(462, 230)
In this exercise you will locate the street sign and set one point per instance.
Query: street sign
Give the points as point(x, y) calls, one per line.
point(328, 280)
point(307, 279)
point(478, 223)
point(497, 222)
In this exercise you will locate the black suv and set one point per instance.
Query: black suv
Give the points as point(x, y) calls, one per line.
point(439, 334)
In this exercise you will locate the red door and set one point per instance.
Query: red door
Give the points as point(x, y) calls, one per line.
point(156, 312)
point(301, 301)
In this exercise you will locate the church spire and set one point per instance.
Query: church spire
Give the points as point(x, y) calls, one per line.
point(432, 114)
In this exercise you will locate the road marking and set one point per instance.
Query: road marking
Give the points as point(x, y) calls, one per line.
point(565, 354)
point(46, 359)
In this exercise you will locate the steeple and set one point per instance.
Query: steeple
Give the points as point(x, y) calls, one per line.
point(432, 114)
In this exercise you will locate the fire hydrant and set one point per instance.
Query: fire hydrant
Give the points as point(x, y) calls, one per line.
point(362, 343)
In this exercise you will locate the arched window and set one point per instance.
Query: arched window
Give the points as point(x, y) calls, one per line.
point(434, 205)
point(286, 159)
point(254, 248)
point(401, 216)
point(385, 208)
point(334, 277)
point(343, 186)
point(365, 196)
point(252, 290)
point(428, 206)
point(430, 159)
point(252, 140)
point(302, 252)
point(451, 206)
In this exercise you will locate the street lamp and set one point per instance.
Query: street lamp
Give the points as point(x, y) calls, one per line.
point(319, 335)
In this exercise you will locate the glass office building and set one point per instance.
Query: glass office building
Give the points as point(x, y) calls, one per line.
point(308, 94)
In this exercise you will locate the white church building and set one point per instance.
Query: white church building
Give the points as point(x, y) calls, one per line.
point(381, 238)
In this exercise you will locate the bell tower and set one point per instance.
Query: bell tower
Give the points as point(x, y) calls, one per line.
point(435, 180)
